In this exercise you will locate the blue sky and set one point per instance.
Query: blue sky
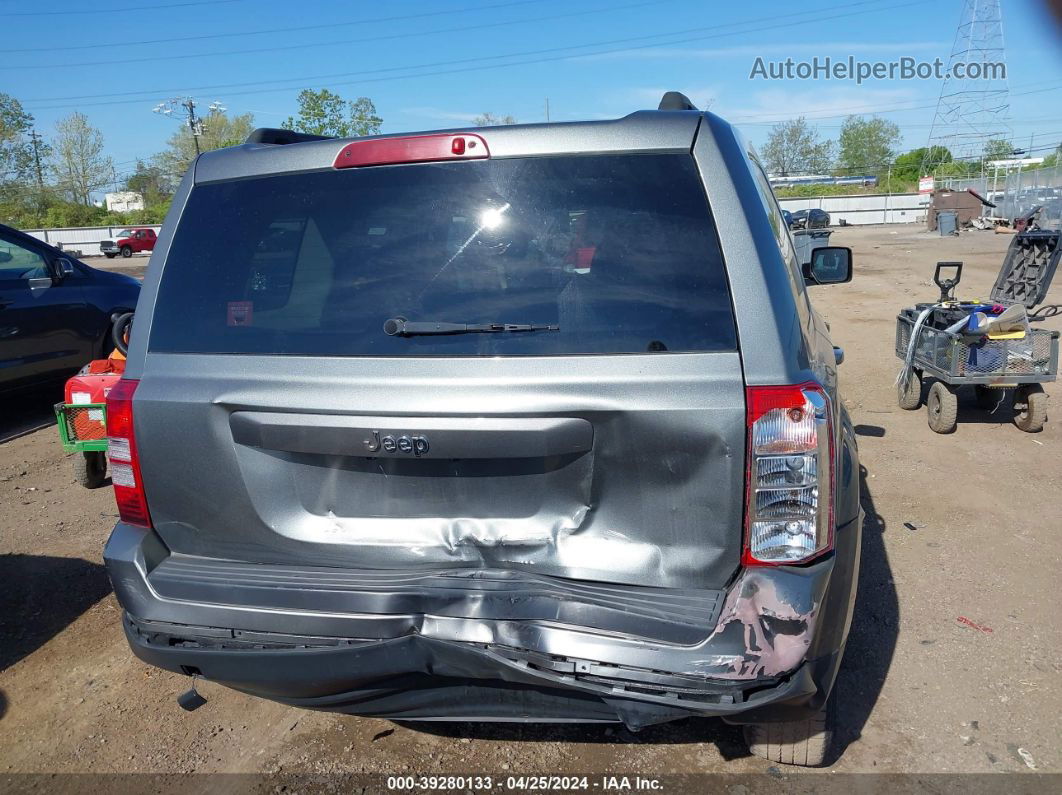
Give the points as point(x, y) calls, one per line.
point(433, 64)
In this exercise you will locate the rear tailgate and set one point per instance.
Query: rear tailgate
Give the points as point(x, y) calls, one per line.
point(278, 423)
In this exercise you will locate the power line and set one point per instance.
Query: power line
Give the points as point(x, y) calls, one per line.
point(114, 10)
point(803, 19)
point(893, 107)
point(296, 29)
point(334, 43)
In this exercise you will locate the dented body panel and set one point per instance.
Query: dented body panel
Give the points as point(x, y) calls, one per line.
point(650, 500)
point(398, 535)
point(761, 651)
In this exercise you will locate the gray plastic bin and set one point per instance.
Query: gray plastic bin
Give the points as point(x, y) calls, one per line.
point(948, 223)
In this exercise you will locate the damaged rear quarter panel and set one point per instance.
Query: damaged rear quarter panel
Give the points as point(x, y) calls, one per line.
point(768, 620)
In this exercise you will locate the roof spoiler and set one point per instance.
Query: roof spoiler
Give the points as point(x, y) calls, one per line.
point(676, 100)
point(275, 135)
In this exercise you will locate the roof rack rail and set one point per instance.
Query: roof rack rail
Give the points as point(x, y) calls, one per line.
point(676, 100)
point(275, 135)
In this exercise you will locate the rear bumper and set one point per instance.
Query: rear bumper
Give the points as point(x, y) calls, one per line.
point(420, 678)
point(770, 650)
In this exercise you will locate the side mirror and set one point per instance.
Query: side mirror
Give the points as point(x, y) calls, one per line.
point(64, 267)
point(829, 265)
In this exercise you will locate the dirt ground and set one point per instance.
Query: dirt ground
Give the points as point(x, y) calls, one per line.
point(952, 664)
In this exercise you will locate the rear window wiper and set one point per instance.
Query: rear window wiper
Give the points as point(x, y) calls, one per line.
point(400, 327)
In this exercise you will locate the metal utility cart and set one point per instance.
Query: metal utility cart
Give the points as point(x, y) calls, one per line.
point(83, 429)
point(1021, 361)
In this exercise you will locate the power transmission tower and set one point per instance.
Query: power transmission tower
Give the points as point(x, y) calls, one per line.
point(972, 110)
point(35, 138)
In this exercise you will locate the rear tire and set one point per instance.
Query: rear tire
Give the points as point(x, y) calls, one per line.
point(1030, 408)
point(911, 397)
point(127, 252)
point(90, 469)
point(943, 408)
point(800, 742)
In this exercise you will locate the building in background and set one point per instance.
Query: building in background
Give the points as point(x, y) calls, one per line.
point(124, 201)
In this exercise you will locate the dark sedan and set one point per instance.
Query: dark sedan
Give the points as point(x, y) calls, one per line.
point(55, 311)
point(810, 219)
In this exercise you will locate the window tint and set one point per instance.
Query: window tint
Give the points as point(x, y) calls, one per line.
point(18, 263)
point(619, 251)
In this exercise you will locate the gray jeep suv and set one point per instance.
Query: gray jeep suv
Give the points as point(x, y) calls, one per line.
point(535, 423)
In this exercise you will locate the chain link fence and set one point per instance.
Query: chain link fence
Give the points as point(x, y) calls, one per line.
point(1018, 192)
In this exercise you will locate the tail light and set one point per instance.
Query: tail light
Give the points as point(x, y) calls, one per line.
point(121, 452)
point(789, 515)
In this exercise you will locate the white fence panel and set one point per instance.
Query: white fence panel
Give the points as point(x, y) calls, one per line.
point(85, 239)
point(870, 208)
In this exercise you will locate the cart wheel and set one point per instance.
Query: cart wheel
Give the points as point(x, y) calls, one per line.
point(90, 469)
point(1030, 408)
point(911, 397)
point(990, 399)
point(943, 407)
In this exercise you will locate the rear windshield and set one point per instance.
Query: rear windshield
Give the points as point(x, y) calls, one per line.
point(619, 252)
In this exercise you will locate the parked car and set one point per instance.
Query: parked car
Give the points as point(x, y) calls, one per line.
point(129, 242)
point(810, 219)
point(55, 311)
point(466, 432)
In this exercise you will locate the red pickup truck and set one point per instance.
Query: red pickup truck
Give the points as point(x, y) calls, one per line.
point(128, 241)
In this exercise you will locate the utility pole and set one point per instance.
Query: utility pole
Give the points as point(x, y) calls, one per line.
point(193, 123)
point(547, 109)
point(35, 137)
point(888, 193)
point(184, 108)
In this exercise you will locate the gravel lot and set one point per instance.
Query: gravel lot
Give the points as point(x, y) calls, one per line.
point(952, 665)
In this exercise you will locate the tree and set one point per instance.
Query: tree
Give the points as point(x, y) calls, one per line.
point(324, 113)
point(1054, 159)
point(78, 162)
point(150, 182)
point(488, 119)
point(219, 131)
point(908, 167)
point(16, 148)
point(998, 149)
point(793, 147)
point(867, 146)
